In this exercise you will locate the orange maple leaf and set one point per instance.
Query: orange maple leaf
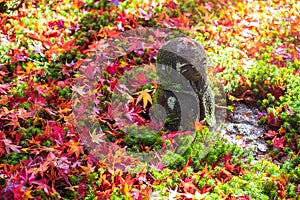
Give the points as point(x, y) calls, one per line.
point(229, 167)
point(76, 148)
point(27, 194)
point(87, 169)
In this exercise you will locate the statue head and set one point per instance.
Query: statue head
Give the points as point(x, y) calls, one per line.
point(186, 56)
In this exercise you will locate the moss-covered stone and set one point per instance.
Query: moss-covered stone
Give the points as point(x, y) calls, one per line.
point(183, 88)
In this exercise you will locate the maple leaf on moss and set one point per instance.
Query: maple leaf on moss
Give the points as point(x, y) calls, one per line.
point(224, 175)
point(188, 185)
point(278, 142)
point(145, 96)
point(229, 167)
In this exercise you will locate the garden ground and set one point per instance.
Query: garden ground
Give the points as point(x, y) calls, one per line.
point(253, 45)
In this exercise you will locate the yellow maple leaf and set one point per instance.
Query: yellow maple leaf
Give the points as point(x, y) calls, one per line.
point(27, 194)
point(239, 137)
point(126, 190)
point(37, 119)
point(29, 67)
point(145, 96)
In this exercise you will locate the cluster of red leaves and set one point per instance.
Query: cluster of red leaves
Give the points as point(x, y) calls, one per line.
point(187, 189)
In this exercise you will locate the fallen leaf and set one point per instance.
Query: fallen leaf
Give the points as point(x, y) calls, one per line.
point(279, 142)
point(145, 96)
point(239, 137)
point(27, 194)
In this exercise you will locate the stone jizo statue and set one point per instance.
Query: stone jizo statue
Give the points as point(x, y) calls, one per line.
point(184, 88)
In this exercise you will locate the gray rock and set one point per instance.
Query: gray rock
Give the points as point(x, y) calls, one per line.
point(262, 146)
point(244, 130)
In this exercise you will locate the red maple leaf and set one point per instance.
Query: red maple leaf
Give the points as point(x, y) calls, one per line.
point(43, 184)
point(206, 189)
point(113, 69)
point(9, 170)
point(17, 191)
point(273, 120)
point(122, 17)
point(224, 159)
point(188, 186)
point(279, 142)
point(181, 21)
point(224, 175)
point(270, 134)
point(18, 55)
point(229, 167)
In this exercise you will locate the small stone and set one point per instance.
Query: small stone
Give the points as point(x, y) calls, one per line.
point(244, 124)
point(262, 146)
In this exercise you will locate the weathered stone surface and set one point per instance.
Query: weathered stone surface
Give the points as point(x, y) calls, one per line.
point(184, 89)
point(244, 130)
